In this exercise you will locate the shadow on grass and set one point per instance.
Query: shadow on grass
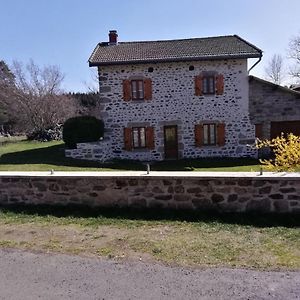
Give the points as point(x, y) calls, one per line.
point(54, 155)
point(79, 211)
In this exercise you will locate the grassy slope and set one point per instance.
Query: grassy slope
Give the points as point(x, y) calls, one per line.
point(263, 242)
point(37, 156)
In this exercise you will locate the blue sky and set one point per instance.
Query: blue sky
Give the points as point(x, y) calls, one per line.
point(64, 32)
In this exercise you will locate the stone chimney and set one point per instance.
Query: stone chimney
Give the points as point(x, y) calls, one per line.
point(113, 37)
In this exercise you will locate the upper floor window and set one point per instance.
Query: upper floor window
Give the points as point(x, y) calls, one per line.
point(208, 85)
point(137, 89)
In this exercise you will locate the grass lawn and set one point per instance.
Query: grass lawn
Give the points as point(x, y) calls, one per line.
point(262, 242)
point(16, 155)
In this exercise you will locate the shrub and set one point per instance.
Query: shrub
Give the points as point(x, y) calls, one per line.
point(286, 150)
point(82, 130)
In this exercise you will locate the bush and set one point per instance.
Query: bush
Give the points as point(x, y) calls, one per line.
point(82, 130)
point(45, 135)
point(286, 150)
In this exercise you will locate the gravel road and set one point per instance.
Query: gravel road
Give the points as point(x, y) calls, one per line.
point(26, 275)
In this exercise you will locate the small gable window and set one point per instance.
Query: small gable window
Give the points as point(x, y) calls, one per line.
point(137, 89)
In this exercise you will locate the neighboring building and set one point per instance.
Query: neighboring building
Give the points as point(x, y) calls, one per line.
point(273, 108)
point(295, 87)
point(173, 99)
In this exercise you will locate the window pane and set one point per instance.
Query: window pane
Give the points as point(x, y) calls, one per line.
point(212, 134)
point(134, 89)
point(142, 137)
point(211, 85)
point(135, 134)
point(141, 89)
point(205, 134)
point(205, 85)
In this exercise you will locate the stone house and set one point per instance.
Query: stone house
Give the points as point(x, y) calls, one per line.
point(273, 108)
point(173, 99)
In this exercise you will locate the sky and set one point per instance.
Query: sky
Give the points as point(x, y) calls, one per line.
point(65, 32)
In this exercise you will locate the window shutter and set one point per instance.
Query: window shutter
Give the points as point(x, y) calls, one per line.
point(221, 134)
point(150, 138)
point(198, 85)
point(147, 89)
point(126, 90)
point(219, 84)
point(128, 139)
point(258, 131)
point(199, 135)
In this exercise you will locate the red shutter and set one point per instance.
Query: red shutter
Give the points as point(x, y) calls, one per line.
point(128, 139)
point(147, 89)
point(220, 84)
point(199, 135)
point(258, 131)
point(126, 90)
point(198, 85)
point(221, 134)
point(150, 138)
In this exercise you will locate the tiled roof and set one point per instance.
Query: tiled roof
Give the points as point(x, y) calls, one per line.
point(221, 47)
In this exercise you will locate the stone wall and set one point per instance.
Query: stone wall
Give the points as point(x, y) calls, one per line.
point(97, 151)
point(174, 103)
point(226, 194)
point(269, 102)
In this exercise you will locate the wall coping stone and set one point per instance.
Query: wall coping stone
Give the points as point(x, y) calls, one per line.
point(157, 174)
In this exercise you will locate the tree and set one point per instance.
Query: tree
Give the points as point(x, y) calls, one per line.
point(35, 100)
point(286, 150)
point(7, 80)
point(274, 70)
point(294, 53)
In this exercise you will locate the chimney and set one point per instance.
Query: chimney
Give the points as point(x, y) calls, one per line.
point(113, 37)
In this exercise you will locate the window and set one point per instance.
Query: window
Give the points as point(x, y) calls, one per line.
point(208, 85)
point(209, 134)
point(138, 137)
point(137, 89)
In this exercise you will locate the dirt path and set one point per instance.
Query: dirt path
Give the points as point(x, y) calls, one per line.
point(26, 275)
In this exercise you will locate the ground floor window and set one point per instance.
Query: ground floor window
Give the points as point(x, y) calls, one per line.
point(139, 137)
point(209, 134)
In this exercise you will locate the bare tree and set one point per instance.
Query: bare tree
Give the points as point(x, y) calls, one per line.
point(274, 70)
point(294, 53)
point(35, 100)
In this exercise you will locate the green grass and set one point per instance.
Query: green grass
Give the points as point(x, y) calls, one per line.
point(176, 238)
point(38, 156)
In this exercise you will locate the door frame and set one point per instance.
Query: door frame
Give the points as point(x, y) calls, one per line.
point(176, 136)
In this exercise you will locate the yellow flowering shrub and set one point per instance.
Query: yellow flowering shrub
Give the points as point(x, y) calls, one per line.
point(286, 149)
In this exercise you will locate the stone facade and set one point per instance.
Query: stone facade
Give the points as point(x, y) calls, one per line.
point(97, 151)
point(269, 102)
point(224, 194)
point(174, 103)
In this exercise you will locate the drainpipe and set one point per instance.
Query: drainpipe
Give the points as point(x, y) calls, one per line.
point(255, 64)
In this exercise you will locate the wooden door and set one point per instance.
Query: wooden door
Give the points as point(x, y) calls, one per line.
point(285, 127)
point(171, 142)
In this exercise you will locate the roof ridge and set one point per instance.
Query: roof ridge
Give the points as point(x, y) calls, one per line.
point(187, 39)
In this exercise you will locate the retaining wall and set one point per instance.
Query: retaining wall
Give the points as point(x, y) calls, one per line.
point(227, 193)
